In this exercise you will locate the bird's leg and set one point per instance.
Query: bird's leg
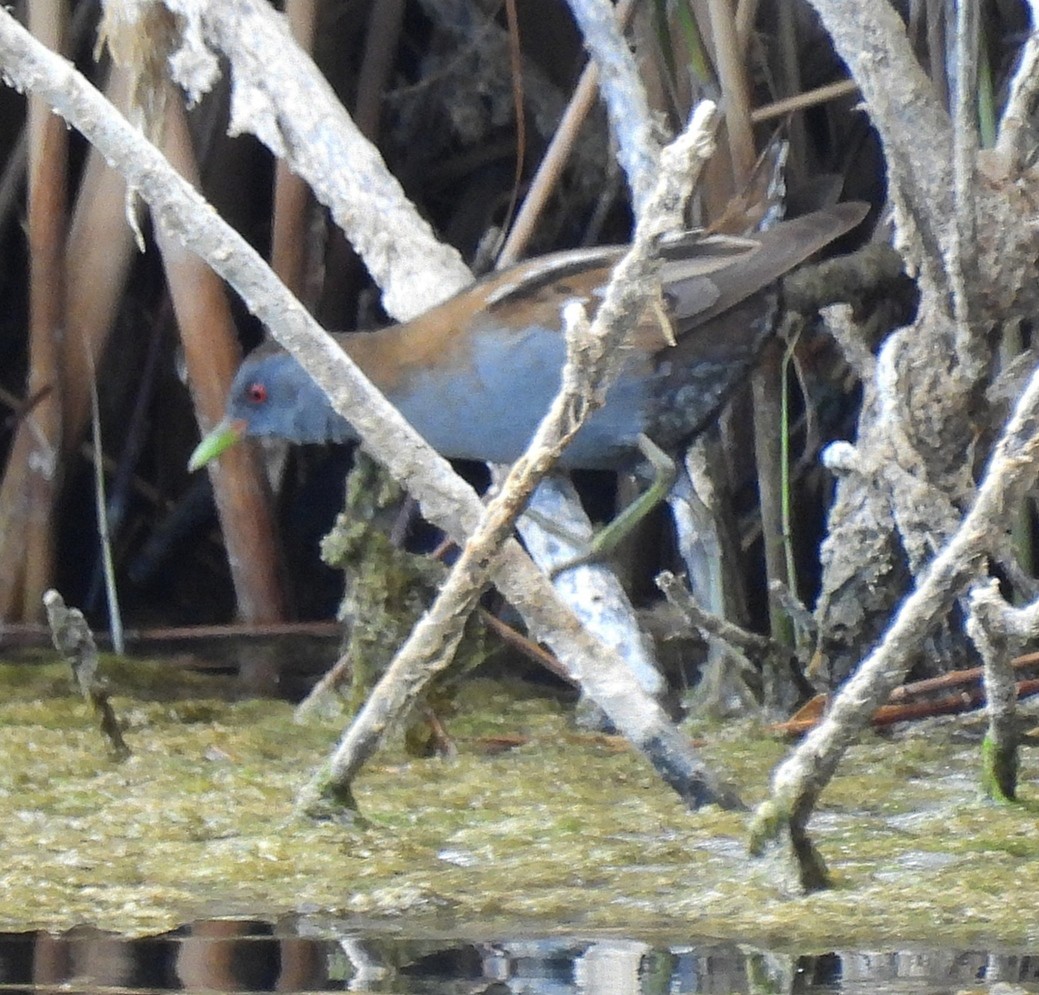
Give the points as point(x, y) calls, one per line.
point(608, 538)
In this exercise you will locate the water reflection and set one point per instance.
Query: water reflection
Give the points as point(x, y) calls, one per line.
point(236, 955)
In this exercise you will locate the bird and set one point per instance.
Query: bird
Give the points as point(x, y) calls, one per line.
point(475, 374)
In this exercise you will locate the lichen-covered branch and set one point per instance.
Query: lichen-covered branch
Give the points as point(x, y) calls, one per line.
point(73, 639)
point(626, 101)
point(914, 127)
point(1000, 631)
point(446, 500)
point(1014, 139)
point(912, 472)
point(799, 780)
point(593, 360)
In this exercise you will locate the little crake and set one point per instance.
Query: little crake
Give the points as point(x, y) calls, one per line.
point(475, 375)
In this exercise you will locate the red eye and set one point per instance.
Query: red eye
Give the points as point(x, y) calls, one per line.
point(256, 393)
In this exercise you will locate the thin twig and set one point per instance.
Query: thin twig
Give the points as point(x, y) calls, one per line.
point(115, 616)
point(738, 639)
point(804, 101)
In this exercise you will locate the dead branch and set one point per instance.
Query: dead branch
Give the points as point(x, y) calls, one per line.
point(73, 639)
point(800, 779)
point(446, 500)
point(999, 631)
point(593, 359)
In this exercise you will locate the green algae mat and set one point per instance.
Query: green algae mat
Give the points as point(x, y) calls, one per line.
point(563, 830)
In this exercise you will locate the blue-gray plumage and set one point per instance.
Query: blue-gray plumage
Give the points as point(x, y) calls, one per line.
point(475, 375)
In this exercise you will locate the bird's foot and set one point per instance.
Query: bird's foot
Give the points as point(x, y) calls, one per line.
point(607, 539)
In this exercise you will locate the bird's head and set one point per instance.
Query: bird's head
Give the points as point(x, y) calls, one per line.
point(272, 396)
